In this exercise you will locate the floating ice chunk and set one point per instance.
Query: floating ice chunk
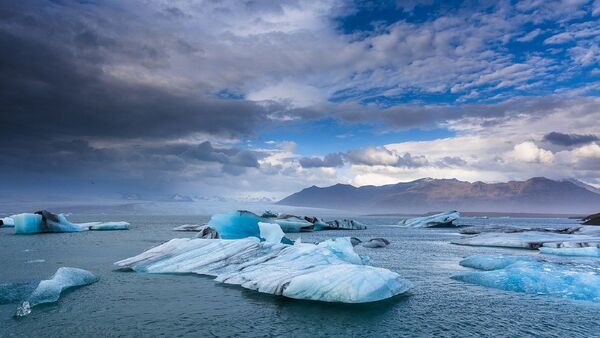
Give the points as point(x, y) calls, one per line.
point(585, 251)
point(302, 271)
point(355, 241)
point(270, 232)
point(443, 219)
point(189, 227)
point(269, 214)
point(376, 243)
point(528, 240)
point(493, 262)
point(544, 278)
point(343, 248)
point(104, 226)
point(344, 224)
point(236, 225)
point(7, 222)
point(44, 221)
point(207, 232)
point(291, 223)
point(36, 261)
point(49, 291)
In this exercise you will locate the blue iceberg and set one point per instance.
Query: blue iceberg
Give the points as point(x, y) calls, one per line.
point(582, 252)
point(44, 221)
point(527, 275)
point(443, 219)
point(49, 291)
point(329, 272)
point(493, 262)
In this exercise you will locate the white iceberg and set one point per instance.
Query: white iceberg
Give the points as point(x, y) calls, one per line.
point(44, 221)
point(583, 251)
point(7, 222)
point(528, 240)
point(326, 272)
point(189, 227)
point(573, 281)
point(376, 243)
point(49, 291)
point(443, 219)
point(270, 232)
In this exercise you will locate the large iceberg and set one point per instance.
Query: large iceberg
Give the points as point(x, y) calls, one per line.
point(532, 276)
point(44, 221)
point(443, 219)
point(329, 271)
point(49, 291)
point(529, 240)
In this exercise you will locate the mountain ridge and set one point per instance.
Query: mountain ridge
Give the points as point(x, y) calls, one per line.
point(537, 195)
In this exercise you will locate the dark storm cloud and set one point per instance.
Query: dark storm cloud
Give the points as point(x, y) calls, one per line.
point(568, 140)
point(53, 83)
point(329, 161)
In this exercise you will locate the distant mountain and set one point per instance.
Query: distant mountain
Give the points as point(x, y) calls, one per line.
point(535, 195)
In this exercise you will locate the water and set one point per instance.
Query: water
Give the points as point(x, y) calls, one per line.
point(134, 304)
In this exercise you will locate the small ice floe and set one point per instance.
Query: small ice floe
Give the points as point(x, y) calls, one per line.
point(529, 240)
point(36, 261)
point(376, 243)
point(443, 219)
point(189, 227)
point(207, 232)
point(49, 291)
point(582, 252)
point(44, 221)
point(529, 275)
point(343, 224)
point(329, 271)
point(7, 222)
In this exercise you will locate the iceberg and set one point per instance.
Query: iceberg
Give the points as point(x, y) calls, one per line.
point(344, 224)
point(541, 278)
point(44, 221)
point(329, 271)
point(528, 240)
point(270, 232)
point(493, 262)
point(49, 291)
point(105, 226)
point(376, 243)
point(207, 232)
point(7, 222)
point(443, 219)
point(189, 227)
point(583, 251)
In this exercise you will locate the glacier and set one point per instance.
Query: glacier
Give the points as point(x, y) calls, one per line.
point(49, 290)
point(330, 271)
point(527, 275)
point(443, 219)
point(44, 221)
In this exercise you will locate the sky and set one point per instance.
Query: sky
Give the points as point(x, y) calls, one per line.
point(264, 98)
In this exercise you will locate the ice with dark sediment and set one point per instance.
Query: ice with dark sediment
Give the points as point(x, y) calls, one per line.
point(44, 221)
point(329, 271)
point(444, 219)
point(7, 222)
point(376, 243)
point(530, 275)
point(49, 290)
point(189, 227)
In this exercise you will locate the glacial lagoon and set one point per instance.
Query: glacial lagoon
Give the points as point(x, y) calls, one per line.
point(139, 304)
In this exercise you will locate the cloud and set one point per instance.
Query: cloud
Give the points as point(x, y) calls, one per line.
point(328, 161)
point(568, 140)
point(530, 152)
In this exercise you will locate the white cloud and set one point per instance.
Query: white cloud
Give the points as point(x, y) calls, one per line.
point(529, 152)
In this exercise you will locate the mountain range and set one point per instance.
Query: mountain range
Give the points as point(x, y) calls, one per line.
point(535, 195)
